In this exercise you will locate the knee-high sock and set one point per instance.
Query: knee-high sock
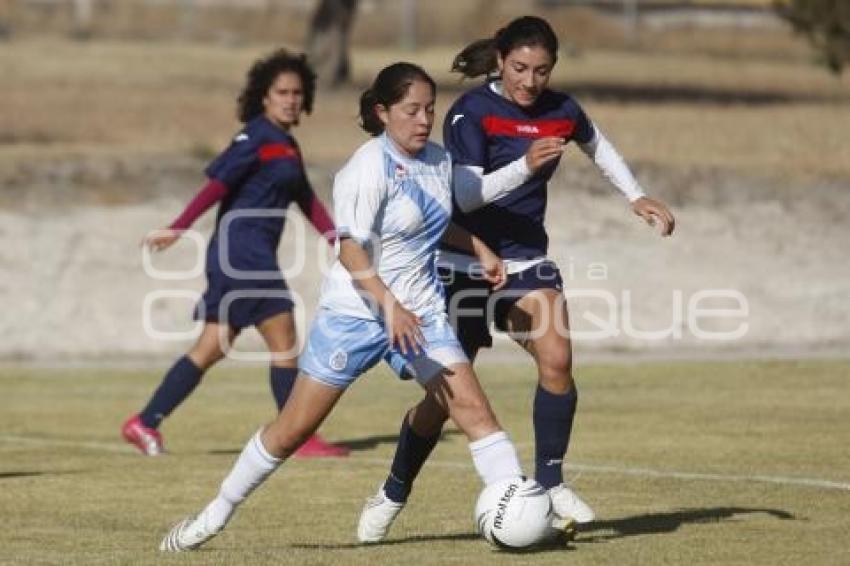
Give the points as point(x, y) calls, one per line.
point(253, 466)
point(495, 457)
point(176, 386)
point(553, 422)
point(282, 380)
point(410, 454)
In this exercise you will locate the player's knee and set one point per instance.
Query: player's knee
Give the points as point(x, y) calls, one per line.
point(473, 414)
point(427, 419)
point(281, 442)
point(205, 358)
point(556, 369)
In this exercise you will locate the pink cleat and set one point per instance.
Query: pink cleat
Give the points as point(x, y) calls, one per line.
point(318, 447)
point(147, 440)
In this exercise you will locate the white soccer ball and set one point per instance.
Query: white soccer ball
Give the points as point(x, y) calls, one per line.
point(514, 513)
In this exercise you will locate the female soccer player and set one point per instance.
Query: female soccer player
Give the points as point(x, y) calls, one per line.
point(255, 178)
point(506, 138)
point(381, 300)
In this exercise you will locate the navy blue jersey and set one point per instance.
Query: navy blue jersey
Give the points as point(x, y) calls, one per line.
point(263, 172)
point(484, 129)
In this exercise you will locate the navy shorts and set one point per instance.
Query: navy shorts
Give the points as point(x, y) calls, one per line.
point(472, 306)
point(242, 303)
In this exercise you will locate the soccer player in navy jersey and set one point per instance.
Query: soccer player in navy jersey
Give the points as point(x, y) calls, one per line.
point(506, 138)
point(255, 179)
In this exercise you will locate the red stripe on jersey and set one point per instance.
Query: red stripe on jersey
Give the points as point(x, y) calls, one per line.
point(271, 151)
point(498, 126)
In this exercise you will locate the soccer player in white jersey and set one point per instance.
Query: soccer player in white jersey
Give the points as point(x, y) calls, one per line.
point(381, 300)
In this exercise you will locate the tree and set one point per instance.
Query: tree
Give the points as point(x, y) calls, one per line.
point(327, 41)
point(827, 25)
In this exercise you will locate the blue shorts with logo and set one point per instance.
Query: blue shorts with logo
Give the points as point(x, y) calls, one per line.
point(472, 306)
point(341, 347)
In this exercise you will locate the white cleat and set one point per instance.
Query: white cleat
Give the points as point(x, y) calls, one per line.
point(568, 505)
point(188, 534)
point(376, 518)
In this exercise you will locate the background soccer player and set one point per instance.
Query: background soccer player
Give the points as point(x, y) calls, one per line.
point(260, 172)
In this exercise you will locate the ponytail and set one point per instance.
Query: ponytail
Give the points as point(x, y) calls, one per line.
point(369, 120)
point(481, 57)
point(390, 86)
point(477, 58)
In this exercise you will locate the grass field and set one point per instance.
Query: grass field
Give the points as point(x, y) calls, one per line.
point(687, 463)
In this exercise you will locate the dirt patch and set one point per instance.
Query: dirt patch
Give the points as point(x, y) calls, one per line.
point(76, 287)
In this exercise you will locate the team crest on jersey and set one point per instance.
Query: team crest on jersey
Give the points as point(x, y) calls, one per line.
point(338, 360)
point(400, 172)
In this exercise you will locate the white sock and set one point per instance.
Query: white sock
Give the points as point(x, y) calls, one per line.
point(253, 466)
point(495, 457)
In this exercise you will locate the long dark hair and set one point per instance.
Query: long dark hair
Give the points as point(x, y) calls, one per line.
point(479, 57)
point(389, 87)
point(263, 73)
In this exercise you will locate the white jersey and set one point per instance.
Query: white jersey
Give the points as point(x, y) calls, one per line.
point(398, 207)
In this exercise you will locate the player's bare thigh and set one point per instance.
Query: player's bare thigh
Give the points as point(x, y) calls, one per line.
point(539, 322)
point(281, 339)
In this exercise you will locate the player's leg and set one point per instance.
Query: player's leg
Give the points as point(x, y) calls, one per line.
point(452, 390)
point(177, 384)
point(539, 322)
point(310, 402)
point(279, 333)
point(339, 349)
point(466, 305)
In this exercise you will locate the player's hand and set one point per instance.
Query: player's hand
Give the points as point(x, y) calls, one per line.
point(542, 151)
point(655, 211)
point(159, 240)
point(404, 330)
point(492, 269)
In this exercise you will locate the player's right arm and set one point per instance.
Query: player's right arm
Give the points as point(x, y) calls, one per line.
point(466, 141)
point(402, 325)
point(360, 193)
point(228, 170)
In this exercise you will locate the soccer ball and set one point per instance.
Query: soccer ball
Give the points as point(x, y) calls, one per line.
point(514, 513)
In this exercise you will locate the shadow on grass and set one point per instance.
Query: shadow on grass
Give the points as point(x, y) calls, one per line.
point(354, 444)
point(554, 546)
point(648, 524)
point(413, 539)
point(662, 523)
point(12, 475)
point(30, 474)
point(371, 442)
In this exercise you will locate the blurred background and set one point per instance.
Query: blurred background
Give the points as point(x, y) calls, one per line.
point(734, 112)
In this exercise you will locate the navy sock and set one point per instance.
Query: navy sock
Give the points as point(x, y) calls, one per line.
point(410, 454)
point(553, 422)
point(282, 380)
point(177, 384)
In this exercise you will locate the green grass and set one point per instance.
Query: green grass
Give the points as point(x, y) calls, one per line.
point(72, 493)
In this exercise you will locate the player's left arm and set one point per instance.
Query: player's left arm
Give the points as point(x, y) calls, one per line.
point(315, 211)
point(602, 152)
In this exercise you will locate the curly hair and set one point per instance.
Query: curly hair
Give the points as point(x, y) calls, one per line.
point(263, 73)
